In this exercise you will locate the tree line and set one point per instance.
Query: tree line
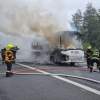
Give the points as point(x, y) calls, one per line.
point(88, 22)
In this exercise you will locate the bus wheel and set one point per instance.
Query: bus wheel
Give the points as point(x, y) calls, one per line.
point(72, 64)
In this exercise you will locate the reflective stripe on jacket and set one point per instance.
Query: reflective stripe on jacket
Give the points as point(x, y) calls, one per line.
point(95, 56)
point(8, 71)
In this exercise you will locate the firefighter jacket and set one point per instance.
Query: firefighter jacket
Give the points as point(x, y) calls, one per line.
point(8, 56)
point(88, 53)
point(14, 49)
point(95, 56)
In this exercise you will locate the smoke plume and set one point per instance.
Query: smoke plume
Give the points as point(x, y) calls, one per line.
point(24, 20)
point(17, 19)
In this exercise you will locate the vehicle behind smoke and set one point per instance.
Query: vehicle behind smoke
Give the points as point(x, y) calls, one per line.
point(70, 50)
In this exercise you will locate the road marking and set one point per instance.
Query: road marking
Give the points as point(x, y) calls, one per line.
point(65, 80)
point(64, 75)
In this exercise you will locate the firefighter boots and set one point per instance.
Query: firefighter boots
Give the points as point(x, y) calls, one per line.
point(91, 69)
point(9, 74)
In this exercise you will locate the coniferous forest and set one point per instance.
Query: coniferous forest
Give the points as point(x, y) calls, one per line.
point(88, 22)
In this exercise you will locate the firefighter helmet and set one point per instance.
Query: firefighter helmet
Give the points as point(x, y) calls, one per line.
point(9, 46)
point(15, 45)
point(89, 47)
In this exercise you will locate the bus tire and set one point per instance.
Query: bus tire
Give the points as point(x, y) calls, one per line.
point(72, 63)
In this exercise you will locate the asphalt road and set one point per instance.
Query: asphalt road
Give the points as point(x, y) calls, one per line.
point(46, 83)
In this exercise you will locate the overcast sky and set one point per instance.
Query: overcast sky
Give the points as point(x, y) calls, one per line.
point(15, 14)
point(62, 7)
point(73, 5)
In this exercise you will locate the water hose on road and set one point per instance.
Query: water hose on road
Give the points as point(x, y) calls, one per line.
point(34, 69)
point(49, 69)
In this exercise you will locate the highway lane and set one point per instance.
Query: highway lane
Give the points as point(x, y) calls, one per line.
point(59, 69)
point(44, 87)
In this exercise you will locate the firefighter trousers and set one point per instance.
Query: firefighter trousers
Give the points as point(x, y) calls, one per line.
point(93, 61)
point(9, 67)
point(88, 62)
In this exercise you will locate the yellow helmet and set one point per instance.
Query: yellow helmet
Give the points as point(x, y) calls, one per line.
point(15, 45)
point(9, 46)
point(89, 47)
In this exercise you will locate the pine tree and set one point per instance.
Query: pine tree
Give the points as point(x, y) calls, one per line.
point(77, 19)
point(89, 24)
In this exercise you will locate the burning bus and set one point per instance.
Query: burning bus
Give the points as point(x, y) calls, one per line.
point(70, 50)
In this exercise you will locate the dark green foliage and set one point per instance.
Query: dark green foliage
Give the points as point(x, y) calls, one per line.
point(88, 23)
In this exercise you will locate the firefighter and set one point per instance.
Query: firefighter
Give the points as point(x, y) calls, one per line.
point(88, 56)
point(94, 58)
point(8, 60)
point(14, 50)
point(3, 54)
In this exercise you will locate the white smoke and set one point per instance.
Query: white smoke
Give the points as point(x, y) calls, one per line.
point(24, 20)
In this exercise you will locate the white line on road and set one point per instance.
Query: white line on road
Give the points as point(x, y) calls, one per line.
point(65, 80)
point(63, 75)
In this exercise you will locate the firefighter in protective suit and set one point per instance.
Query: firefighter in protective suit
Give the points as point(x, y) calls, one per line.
point(8, 60)
point(88, 56)
point(3, 54)
point(94, 58)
